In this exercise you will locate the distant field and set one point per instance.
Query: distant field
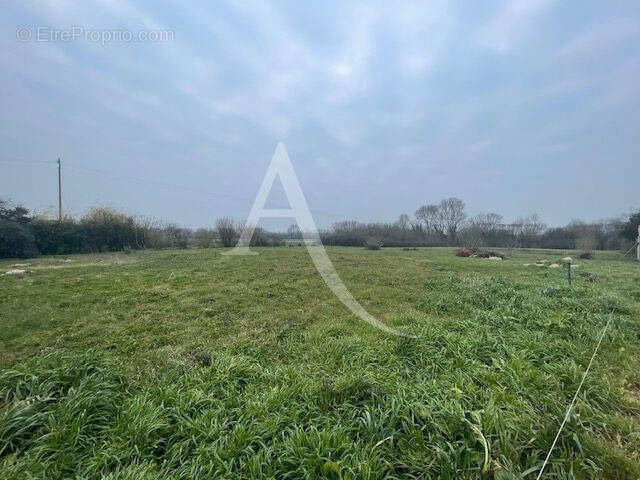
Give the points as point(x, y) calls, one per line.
point(194, 365)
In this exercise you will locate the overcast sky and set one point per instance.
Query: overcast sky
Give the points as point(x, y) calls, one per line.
point(514, 106)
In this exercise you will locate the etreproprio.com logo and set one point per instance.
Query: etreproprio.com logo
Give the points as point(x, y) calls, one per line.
point(48, 34)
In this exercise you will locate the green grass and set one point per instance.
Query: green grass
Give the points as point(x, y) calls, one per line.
point(195, 365)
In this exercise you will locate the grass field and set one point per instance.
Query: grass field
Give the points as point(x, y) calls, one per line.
point(194, 365)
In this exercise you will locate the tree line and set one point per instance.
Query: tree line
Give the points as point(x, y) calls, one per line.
point(442, 224)
point(107, 230)
point(447, 224)
point(99, 230)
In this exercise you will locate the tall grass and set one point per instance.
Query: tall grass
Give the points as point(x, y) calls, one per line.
point(479, 395)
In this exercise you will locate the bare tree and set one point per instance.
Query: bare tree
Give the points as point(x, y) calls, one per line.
point(532, 225)
point(293, 231)
point(486, 222)
point(429, 217)
point(526, 230)
point(347, 225)
point(227, 231)
point(493, 221)
point(452, 216)
point(482, 228)
point(177, 236)
point(587, 240)
point(404, 221)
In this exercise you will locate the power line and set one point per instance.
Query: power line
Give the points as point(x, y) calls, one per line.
point(23, 161)
point(151, 182)
point(180, 187)
point(147, 181)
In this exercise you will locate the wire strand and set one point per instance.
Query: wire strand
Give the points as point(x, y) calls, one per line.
point(140, 180)
point(28, 162)
point(575, 398)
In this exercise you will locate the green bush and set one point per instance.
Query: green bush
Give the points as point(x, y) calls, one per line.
point(105, 229)
point(629, 229)
point(16, 241)
point(53, 237)
point(100, 230)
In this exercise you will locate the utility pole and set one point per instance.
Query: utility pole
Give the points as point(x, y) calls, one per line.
point(59, 192)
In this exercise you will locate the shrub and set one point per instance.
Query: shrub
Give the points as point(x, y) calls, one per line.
point(103, 229)
point(490, 254)
point(373, 243)
point(16, 213)
point(262, 238)
point(586, 240)
point(151, 235)
point(204, 238)
point(629, 229)
point(177, 237)
point(227, 231)
point(586, 255)
point(16, 241)
point(106, 229)
point(53, 237)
